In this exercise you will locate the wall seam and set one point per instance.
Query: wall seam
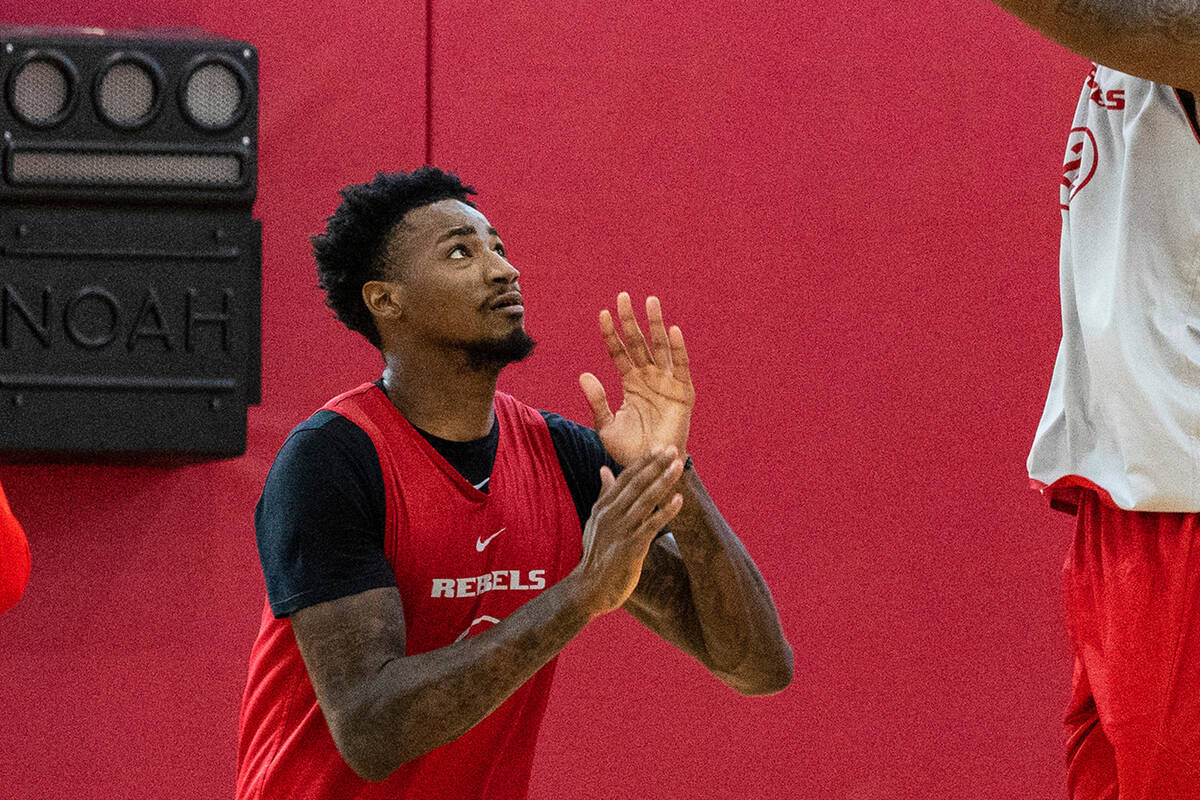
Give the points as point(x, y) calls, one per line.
point(428, 81)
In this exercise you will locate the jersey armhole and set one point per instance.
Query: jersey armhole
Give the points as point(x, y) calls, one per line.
point(1187, 101)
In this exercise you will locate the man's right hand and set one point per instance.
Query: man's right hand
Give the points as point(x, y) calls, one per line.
point(631, 510)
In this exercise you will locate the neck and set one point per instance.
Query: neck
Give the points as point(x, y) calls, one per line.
point(441, 394)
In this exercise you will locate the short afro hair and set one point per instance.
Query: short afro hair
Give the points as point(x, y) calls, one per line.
point(352, 250)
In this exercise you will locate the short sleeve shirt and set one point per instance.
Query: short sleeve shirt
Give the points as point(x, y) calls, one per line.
point(320, 521)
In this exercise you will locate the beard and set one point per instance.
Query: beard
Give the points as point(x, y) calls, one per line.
point(495, 354)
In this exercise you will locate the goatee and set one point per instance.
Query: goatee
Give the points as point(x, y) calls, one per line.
point(495, 354)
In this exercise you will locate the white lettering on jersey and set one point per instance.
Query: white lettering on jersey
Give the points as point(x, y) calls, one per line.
point(477, 621)
point(496, 581)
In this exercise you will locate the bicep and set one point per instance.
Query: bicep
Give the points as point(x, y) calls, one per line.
point(345, 644)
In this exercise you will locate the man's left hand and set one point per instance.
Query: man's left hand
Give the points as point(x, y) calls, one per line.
point(656, 384)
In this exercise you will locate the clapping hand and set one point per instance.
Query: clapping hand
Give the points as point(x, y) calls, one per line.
point(656, 386)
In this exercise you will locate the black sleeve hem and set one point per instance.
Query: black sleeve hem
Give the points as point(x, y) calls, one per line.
point(333, 591)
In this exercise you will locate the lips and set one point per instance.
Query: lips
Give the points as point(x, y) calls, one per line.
point(507, 300)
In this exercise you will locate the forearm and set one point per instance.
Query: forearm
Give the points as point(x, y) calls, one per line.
point(711, 600)
point(417, 703)
point(1154, 39)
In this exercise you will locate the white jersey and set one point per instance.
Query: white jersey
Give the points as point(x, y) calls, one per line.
point(1123, 411)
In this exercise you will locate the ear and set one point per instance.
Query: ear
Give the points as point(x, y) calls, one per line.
point(384, 299)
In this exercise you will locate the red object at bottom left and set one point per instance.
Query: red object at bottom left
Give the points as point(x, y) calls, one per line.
point(14, 557)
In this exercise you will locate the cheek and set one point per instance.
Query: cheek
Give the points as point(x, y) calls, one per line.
point(447, 300)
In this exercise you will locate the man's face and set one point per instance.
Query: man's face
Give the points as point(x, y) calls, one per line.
point(459, 289)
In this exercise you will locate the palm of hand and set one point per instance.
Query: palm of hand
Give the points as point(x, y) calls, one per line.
point(655, 413)
point(656, 408)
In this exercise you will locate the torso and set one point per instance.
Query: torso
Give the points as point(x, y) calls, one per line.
point(1123, 411)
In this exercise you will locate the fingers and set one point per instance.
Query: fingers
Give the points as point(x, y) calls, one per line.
point(680, 365)
point(666, 348)
point(597, 398)
point(662, 515)
point(616, 348)
point(658, 491)
point(635, 342)
point(607, 481)
point(646, 484)
point(658, 333)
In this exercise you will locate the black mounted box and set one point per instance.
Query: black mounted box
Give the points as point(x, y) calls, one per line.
point(130, 264)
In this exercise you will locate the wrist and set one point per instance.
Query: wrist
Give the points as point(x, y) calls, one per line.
point(579, 594)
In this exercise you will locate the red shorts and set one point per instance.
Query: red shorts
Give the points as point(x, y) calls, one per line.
point(1133, 613)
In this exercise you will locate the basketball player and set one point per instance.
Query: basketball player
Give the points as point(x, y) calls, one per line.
point(430, 544)
point(14, 557)
point(1119, 441)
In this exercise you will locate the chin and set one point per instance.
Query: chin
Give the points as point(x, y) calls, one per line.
point(498, 352)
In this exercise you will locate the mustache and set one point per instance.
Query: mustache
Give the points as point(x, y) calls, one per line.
point(512, 297)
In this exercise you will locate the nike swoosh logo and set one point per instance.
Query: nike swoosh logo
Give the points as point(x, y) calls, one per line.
point(482, 543)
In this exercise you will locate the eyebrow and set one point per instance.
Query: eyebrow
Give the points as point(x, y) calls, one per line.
point(463, 230)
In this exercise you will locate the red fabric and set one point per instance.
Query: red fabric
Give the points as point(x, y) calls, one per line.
point(1132, 579)
point(1065, 492)
point(492, 552)
point(14, 557)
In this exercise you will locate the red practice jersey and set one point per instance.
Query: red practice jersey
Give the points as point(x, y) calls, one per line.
point(463, 561)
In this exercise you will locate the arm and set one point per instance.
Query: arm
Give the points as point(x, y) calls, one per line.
point(385, 708)
point(700, 591)
point(1154, 39)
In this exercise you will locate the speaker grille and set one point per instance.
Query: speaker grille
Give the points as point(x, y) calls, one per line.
point(213, 96)
point(40, 91)
point(124, 169)
point(126, 95)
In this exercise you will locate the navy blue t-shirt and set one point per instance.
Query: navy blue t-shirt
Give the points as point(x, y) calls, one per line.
point(320, 520)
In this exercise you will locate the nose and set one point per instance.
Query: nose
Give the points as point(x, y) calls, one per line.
point(500, 271)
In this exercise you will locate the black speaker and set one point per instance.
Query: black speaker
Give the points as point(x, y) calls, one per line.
point(130, 263)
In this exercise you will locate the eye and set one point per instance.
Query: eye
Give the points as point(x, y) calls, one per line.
point(459, 251)
point(500, 249)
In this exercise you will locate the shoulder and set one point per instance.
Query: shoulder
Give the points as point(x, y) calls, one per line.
point(328, 425)
point(325, 461)
point(574, 444)
point(324, 436)
point(580, 456)
point(319, 523)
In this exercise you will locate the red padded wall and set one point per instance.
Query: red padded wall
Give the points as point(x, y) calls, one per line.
point(851, 210)
point(122, 668)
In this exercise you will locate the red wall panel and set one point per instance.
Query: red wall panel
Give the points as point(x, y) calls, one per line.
point(851, 210)
point(121, 670)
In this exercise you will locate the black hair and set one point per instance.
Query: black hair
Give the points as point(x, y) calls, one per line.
point(353, 248)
